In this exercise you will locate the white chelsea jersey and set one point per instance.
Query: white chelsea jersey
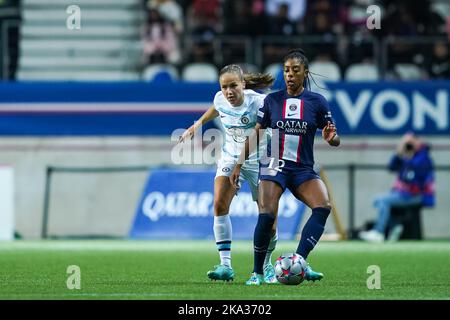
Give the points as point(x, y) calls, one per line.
point(238, 123)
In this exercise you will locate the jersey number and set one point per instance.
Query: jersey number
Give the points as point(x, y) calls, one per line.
point(278, 168)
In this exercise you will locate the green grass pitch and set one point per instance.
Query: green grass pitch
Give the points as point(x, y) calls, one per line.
point(176, 270)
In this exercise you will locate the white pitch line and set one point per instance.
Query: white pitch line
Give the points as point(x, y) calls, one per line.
point(99, 294)
point(209, 245)
point(117, 294)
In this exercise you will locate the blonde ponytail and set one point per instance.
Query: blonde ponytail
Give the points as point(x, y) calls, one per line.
point(252, 80)
point(258, 80)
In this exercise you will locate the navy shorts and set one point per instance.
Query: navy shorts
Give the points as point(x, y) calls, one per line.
point(287, 174)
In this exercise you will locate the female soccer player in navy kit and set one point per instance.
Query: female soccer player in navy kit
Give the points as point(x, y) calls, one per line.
point(294, 115)
point(237, 106)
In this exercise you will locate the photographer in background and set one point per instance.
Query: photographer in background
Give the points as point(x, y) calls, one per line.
point(10, 16)
point(414, 185)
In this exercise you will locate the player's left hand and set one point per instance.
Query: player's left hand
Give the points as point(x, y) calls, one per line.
point(187, 135)
point(234, 177)
point(329, 132)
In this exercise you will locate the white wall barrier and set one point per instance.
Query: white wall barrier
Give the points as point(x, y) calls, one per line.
point(6, 202)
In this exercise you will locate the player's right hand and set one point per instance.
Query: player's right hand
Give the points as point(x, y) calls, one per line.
point(188, 134)
point(234, 177)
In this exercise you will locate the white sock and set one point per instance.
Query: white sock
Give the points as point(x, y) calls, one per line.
point(222, 234)
point(272, 245)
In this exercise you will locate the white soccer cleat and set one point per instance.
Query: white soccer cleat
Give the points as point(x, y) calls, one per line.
point(371, 236)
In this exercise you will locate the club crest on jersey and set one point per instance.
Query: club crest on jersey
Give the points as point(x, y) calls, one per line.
point(293, 109)
point(245, 120)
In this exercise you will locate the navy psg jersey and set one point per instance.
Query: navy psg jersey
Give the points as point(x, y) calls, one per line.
point(294, 120)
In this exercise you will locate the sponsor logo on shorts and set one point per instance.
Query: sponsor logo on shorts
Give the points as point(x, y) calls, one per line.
point(226, 169)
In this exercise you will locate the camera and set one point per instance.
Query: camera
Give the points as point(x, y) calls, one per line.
point(409, 147)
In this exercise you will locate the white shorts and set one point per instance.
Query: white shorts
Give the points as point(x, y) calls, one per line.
point(249, 172)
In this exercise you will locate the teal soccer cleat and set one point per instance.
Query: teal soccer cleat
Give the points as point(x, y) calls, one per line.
point(255, 280)
point(269, 274)
point(221, 272)
point(312, 275)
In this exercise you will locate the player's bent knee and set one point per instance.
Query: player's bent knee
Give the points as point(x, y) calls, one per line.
point(220, 208)
point(267, 209)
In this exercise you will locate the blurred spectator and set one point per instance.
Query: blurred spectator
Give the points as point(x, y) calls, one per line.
point(9, 11)
point(160, 42)
point(354, 15)
point(245, 17)
point(428, 22)
point(208, 11)
point(237, 16)
point(241, 18)
point(438, 65)
point(296, 9)
point(404, 20)
point(207, 8)
point(322, 21)
point(258, 18)
point(171, 11)
point(414, 185)
point(331, 9)
point(326, 49)
point(448, 28)
point(338, 27)
point(279, 25)
point(203, 24)
point(399, 22)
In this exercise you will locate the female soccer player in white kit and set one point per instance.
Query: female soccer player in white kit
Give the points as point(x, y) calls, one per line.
point(237, 105)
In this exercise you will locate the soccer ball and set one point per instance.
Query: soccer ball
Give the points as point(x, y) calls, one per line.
point(290, 269)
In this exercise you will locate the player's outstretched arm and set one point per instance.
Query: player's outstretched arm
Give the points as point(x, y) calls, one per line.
point(329, 134)
point(251, 143)
point(209, 114)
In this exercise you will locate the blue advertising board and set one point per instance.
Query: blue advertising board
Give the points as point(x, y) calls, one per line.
point(138, 108)
point(178, 204)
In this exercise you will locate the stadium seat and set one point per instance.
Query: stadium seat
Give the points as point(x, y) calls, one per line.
point(248, 67)
point(54, 15)
point(200, 72)
point(273, 69)
point(407, 71)
point(107, 47)
point(108, 32)
point(83, 75)
point(326, 71)
point(322, 72)
point(441, 7)
point(362, 72)
point(155, 70)
point(77, 63)
point(116, 3)
point(406, 221)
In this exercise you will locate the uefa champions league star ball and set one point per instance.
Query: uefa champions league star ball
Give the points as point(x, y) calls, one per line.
point(290, 269)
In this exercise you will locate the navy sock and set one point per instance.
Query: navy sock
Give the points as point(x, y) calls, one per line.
point(312, 231)
point(261, 240)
